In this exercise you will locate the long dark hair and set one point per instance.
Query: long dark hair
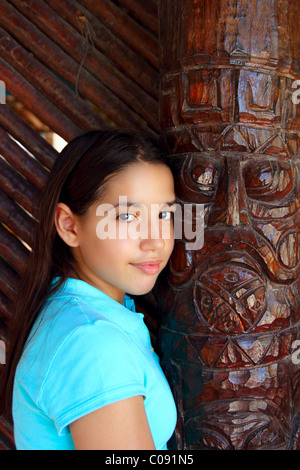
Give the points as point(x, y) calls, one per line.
point(78, 179)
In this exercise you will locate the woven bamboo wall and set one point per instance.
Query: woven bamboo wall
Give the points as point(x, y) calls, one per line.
point(67, 67)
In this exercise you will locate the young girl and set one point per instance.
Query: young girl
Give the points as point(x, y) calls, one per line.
point(81, 366)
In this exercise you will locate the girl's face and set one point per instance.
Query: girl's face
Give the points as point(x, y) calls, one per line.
point(124, 240)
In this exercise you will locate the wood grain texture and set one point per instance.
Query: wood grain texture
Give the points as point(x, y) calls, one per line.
point(230, 310)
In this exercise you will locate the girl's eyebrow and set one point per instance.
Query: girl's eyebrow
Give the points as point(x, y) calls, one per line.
point(128, 204)
point(169, 203)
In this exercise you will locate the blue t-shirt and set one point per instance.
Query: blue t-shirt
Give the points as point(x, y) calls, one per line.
point(86, 351)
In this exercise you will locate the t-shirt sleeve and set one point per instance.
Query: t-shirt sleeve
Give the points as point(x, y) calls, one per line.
point(96, 365)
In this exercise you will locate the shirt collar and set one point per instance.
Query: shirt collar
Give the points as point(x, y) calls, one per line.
point(124, 314)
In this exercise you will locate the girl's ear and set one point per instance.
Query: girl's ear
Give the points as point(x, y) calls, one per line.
point(66, 224)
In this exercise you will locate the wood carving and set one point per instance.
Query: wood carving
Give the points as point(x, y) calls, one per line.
point(230, 311)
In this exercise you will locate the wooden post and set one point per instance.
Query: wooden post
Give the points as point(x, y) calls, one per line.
point(230, 310)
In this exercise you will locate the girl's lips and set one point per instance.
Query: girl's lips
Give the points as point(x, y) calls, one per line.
point(148, 267)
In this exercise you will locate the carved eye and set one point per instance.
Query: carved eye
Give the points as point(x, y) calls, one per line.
point(202, 177)
point(198, 181)
point(205, 177)
point(268, 180)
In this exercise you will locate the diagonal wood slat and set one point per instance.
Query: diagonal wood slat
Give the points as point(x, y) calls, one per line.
point(125, 59)
point(68, 67)
point(47, 83)
point(38, 103)
point(31, 140)
point(71, 71)
point(124, 27)
point(95, 62)
point(145, 12)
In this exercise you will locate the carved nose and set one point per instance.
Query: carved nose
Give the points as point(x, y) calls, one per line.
point(230, 206)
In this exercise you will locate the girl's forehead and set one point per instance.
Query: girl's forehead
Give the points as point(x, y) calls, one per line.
point(142, 182)
point(141, 177)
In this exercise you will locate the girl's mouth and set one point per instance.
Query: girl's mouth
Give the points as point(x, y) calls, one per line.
point(148, 267)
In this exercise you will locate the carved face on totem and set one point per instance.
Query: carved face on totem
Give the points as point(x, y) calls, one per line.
point(252, 240)
point(231, 159)
point(230, 310)
point(235, 302)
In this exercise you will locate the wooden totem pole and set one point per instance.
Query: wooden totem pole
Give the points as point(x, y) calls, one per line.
point(231, 310)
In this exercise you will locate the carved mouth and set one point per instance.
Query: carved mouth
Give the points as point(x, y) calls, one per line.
point(235, 258)
point(250, 248)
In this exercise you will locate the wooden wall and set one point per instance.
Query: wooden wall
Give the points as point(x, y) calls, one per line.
point(68, 66)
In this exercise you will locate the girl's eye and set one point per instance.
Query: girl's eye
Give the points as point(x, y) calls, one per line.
point(166, 215)
point(126, 217)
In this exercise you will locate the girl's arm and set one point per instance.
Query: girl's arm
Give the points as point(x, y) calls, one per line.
point(122, 425)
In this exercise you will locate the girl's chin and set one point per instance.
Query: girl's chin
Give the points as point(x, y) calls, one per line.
point(141, 290)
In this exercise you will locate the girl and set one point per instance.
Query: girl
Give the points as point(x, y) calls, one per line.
point(81, 366)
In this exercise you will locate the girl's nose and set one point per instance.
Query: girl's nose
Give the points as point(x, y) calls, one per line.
point(153, 239)
point(152, 244)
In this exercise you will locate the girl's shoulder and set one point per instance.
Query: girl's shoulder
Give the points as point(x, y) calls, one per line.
point(73, 332)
